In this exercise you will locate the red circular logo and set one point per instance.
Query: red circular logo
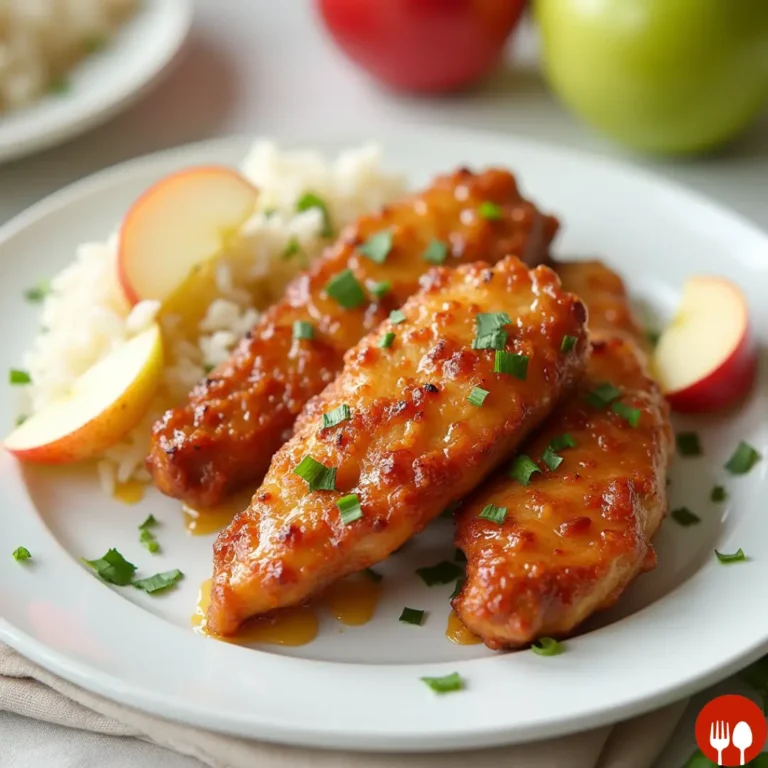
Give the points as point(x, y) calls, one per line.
point(731, 730)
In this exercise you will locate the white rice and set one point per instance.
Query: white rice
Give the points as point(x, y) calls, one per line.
point(41, 39)
point(85, 316)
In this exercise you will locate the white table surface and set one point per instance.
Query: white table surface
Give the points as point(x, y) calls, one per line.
point(265, 67)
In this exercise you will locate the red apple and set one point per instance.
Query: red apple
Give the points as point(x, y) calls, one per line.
point(178, 223)
point(422, 45)
point(706, 359)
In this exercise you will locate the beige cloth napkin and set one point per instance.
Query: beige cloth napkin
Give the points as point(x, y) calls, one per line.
point(29, 690)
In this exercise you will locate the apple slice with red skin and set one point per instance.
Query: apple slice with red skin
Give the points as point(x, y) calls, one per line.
point(706, 359)
point(179, 222)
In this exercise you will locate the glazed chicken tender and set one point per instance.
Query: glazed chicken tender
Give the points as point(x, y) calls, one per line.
point(395, 439)
point(224, 438)
point(577, 534)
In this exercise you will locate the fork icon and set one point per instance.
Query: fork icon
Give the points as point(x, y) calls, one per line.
point(719, 737)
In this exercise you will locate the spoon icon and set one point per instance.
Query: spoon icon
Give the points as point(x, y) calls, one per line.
point(742, 738)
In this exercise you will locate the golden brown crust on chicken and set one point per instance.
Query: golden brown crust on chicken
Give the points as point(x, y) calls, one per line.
point(413, 444)
point(240, 415)
point(576, 536)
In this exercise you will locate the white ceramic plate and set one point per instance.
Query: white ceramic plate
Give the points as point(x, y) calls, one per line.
point(679, 628)
point(103, 83)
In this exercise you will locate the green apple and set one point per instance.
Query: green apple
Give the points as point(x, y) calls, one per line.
point(667, 76)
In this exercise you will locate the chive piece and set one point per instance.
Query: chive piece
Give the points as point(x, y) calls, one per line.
point(560, 442)
point(488, 322)
point(489, 210)
point(20, 554)
point(551, 459)
point(345, 289)
point(436, 252)
point(736, 557)
point(336, 416)
point(208, 368)
point(311, 200)
point(113, 568)
point(38, 293)
point(445, 684)
point(150, 522)
point(303, 330)
point(292, 247)
point(450, 509)
point(630, 415)
point(377, 247)
point(349, 506)
point(512, 364)
point(374, 576)
point(319, 477)
point(95, 43)
point(568, 343)
point(494, 340)
point(457, 588)
point(547, 646)
point(459, 556)
point(59, 85)
point(477, 396)
point(385, 342)
point(159, 582)
point(683, 516)
point(20, 419)
point(718, 494)
point(148, 540)
point(379, 289)
point(743, 459)
point(493, 513)
point(522, 468)
point(19, 377)
point(442, 573)
point(653, 337)
point(397, 316)
point(688, 444)
point(602, 395)
point(412, 616)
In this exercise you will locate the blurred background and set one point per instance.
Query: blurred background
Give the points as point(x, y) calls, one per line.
point(679, 86)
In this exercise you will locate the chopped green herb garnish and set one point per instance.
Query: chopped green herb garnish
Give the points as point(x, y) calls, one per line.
point(683, 516)
point(568, 343)
point(522, 468)
point(208, 367)
point(718, 494)
point(512, 364)
point(292, 247)
point(377, 247)
point(385, 342)
point(311, 200)
point(477, 396)
point(19, 377)
point(489, 210)
point(319, 477)
point(150, 522)
point(159, 582)
point(21, 553)
point(20, 419)
point(349, 506)
point(147, 538)
point(459, 556)
point(38, 293)
point(602, 395)
point(436, 252)
point(489, 332)
point(493, 513)
point(113, 568)
point(303, 330)
point(743, 459)
point(551, 459)
point(457, 588)
point(374, 576)
point(397, 316)
point(450, 509)
point(336, 416)
point(547, 646)
point(561, 442)
point(445, 684)
point(346, 290)
point(688, 444)
point(653, 337)
point(442, 573)
point(630, 415)
point(412, 616)
point(95, 43)
point(494, 340)
point(59, 85)
point(379, 289)
point(736, 557)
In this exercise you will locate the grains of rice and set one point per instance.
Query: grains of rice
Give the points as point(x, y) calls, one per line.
point(86, 315)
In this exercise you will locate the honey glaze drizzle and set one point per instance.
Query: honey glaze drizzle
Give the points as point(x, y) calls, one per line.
point(288, 626)
point(458, 634)
point(353, 599)
point(131, 492)
point(202, 522)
